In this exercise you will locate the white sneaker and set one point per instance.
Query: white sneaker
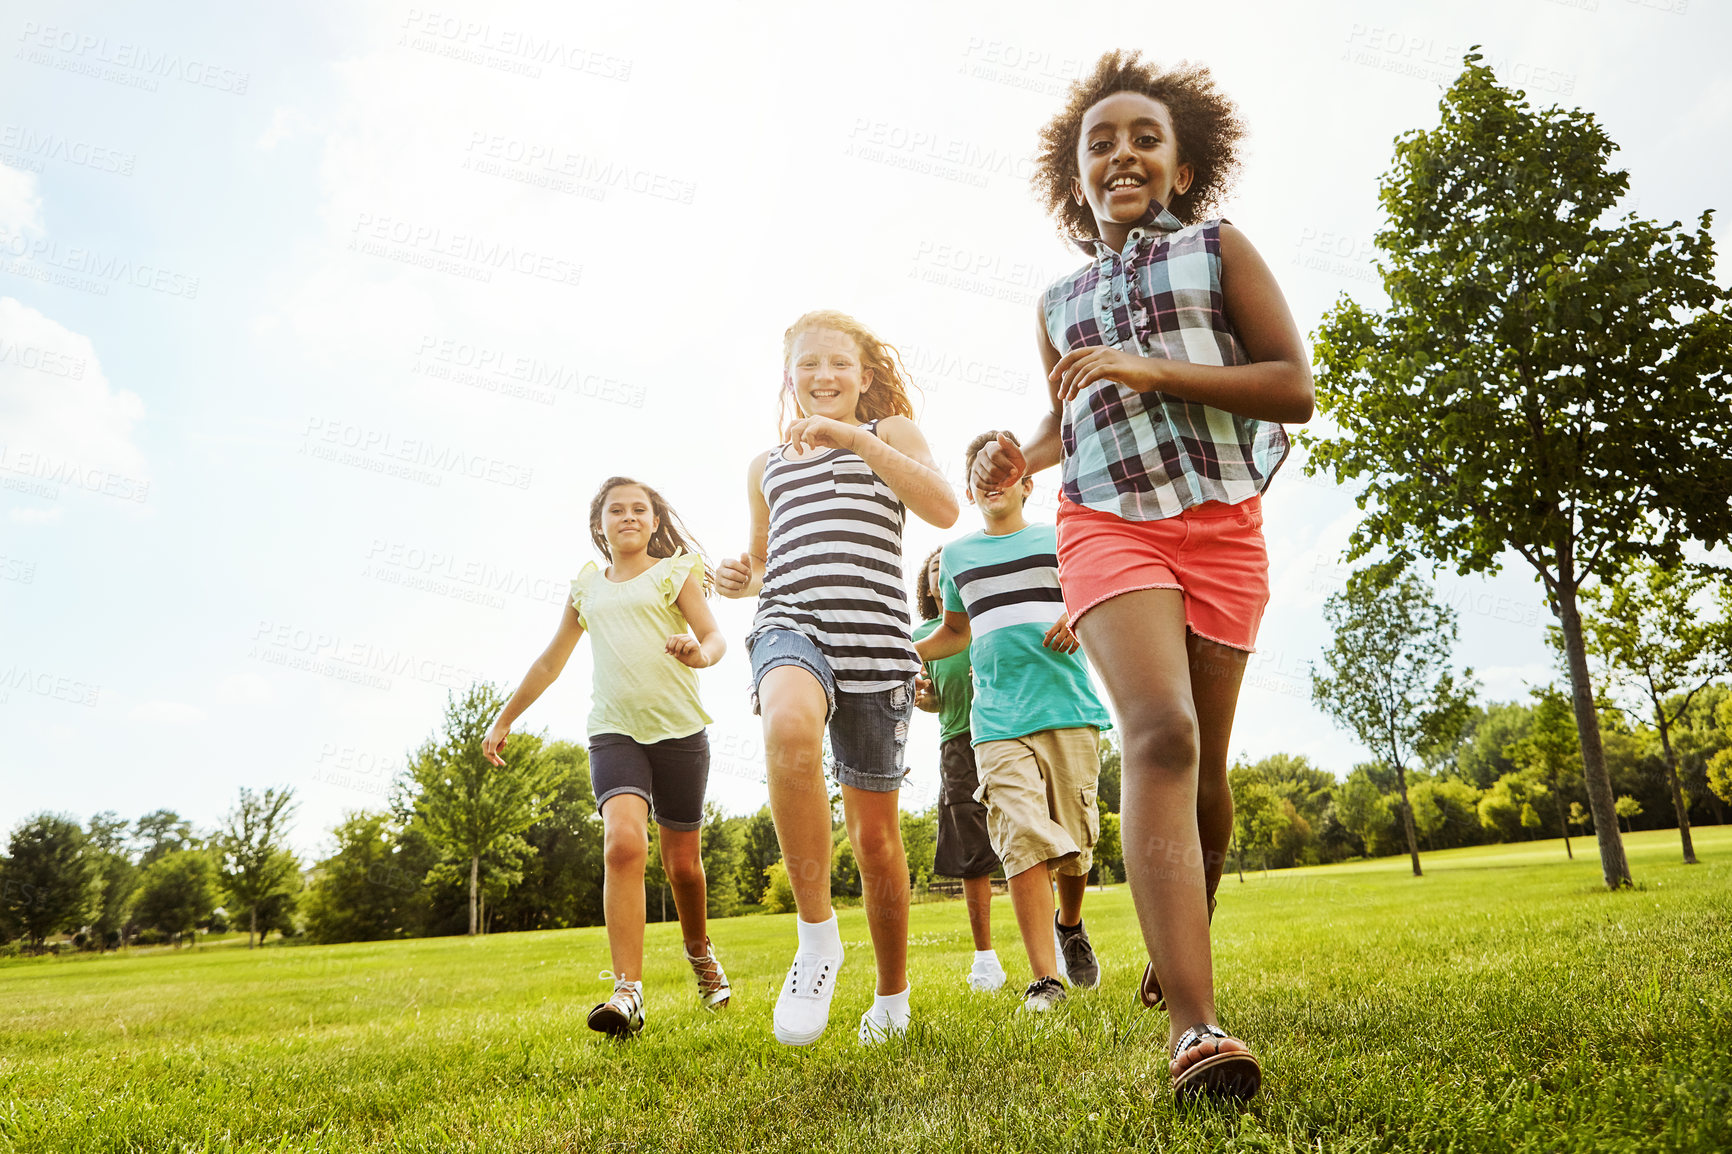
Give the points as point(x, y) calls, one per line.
point(803, 1007)
point(986, 975)
point(876, 1025)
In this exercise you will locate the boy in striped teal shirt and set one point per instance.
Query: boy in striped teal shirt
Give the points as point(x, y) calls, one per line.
point(1035, 725)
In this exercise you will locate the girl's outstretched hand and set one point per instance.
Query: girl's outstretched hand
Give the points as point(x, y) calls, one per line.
point(685, 648)
point(1080, 368)
point(998, 465)
point(822, 433)
point(495, 741)
point(733, 575)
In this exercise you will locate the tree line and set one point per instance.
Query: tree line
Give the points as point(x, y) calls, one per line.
point(1509, 771)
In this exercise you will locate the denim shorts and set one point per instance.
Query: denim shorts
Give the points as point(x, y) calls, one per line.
point(670, 775)
point(867, 730)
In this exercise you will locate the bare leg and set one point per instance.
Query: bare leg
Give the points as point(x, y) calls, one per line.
point(875, 829)
point(682, 861)
point(1031, 898)
point(977, 892)
point(1137, 643)
point(625, 852)
point(1071, 888)
point(792, 703)
point(1216, 671)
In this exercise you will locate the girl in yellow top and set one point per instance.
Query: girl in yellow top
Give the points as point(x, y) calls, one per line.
point(648, 752)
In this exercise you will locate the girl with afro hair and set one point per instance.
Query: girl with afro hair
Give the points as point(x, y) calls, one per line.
point(1173, 361)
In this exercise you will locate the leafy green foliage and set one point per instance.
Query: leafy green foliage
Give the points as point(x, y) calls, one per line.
point(46, 879)
point(1653, 637)
point(178, 892)
point(1545, 380)
point(471, 808)
point(253, 859)
point(1389, 678)
point(361, 893)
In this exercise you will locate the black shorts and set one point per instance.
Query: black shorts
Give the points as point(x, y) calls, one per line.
point(964, 849)
point(670, 775)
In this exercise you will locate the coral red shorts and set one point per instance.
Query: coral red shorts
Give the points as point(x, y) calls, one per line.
point(1212, 553)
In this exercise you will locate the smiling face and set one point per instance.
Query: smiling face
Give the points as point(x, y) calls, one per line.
point(628, 520)
point(999, 505)
point(1127, 159)
point(932, 583)
point(826, 374)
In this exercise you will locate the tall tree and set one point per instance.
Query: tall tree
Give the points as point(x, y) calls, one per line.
point(360, 892)
point(114, 874)
point(561, 874)
point(1653, 637)
point(178, 892)
point(760, 850)
point(47, 883)
point(1544, 381)
point(719, 844)
point(1551, 750)
point(253, 855)
point(1389, 680)
point(160, 832)
point(469, 806)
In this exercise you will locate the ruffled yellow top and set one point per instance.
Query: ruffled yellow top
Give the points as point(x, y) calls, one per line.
point(640, 690)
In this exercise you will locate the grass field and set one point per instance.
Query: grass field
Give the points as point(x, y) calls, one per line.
point(1503, 1002)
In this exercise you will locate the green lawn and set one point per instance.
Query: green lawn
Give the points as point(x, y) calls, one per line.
point(1503, 1002)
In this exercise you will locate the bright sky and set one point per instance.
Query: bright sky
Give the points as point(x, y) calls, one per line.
point(288, 449)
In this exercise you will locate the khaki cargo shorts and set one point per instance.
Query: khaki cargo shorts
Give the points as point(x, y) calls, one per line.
point(1040, 797)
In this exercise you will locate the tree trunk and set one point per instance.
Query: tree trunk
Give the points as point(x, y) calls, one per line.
point(1677, 791)
point(252, 924)
point(1614, 866)
point(1563, 820)
point(1407, 819)
point(1239, 854)
point(474, 887)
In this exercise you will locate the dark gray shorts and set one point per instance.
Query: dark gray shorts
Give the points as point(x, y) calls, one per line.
point(867, 730)
point(964, 847)
point(670, 775)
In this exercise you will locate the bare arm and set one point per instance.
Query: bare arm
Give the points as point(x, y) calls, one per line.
point(704, 645)
point(950, 638)
point(743, 576)
point(899, 454)
point(542, 673)
point(1274, 386)
point(1002, 463)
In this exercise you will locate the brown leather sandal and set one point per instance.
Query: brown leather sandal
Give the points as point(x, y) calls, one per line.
point(1150, 988)
point(1225, 1075)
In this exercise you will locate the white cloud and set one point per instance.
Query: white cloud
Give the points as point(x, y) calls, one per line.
point(20, 204)
point(286, 124)
point(243, 689)
point(57, 410)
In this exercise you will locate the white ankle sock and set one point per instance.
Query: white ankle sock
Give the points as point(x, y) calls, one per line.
point(823, 937)
point(984, 955)
point(893, 1006)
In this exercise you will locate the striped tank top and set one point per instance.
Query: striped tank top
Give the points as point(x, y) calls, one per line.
point(834, 567)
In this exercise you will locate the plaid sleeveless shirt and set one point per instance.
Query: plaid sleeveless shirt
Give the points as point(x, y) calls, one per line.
point(1148, 456)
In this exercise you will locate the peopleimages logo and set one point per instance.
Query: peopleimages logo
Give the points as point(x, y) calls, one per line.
point(381, 451)
point(75, 260)
point(107, 59)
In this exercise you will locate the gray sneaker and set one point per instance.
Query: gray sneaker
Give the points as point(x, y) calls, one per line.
point(1042, 995)
point(1076, 956)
